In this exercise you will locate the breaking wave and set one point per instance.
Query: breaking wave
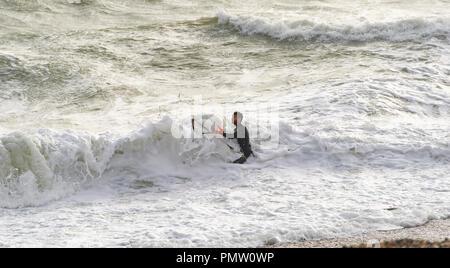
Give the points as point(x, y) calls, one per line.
point(49, 165)
point(36, 169)
point(304, 30)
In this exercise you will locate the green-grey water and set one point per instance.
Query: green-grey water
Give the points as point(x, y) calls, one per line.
point(89, 90)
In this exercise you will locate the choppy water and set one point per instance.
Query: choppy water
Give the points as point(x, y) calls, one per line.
point(89, 89)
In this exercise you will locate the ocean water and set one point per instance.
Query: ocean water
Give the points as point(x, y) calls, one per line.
point(90, 90)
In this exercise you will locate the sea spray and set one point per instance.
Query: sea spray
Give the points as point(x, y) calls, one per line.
point(50, 165)
point(305, 30)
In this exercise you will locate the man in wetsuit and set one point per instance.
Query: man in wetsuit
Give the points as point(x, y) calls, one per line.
point(242, 136)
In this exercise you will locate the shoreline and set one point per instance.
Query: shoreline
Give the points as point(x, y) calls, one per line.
point(432, 231)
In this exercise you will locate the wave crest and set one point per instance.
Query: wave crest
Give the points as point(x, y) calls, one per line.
point(36, 169)
point(304, 30)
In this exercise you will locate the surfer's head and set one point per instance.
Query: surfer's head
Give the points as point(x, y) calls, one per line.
point(237, 118)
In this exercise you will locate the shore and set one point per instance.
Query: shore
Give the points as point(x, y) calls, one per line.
point(433, 231)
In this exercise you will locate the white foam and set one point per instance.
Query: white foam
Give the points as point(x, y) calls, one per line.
point(74, 1)
point(50, 165)
point(365, 128)
point(47, 166)
point(304, 30)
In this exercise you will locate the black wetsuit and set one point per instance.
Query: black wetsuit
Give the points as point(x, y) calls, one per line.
point(243, 139)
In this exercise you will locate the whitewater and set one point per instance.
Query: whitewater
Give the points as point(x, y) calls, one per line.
point(350, 101)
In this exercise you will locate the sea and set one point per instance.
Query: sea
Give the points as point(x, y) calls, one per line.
point(347, 104)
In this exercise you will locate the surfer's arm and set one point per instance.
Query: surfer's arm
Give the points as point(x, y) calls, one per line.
point(229, 135)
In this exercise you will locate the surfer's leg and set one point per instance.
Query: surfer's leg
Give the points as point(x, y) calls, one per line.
point(241, 160)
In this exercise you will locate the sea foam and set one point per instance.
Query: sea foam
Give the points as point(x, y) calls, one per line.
point(50, 165)
point(36, 169)
point(305, 30)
